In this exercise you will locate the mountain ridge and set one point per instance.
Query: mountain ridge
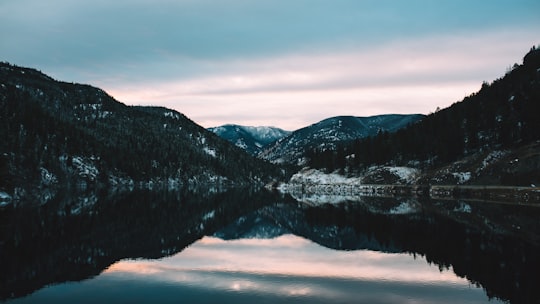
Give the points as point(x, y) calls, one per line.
point(250, 138)
point(57, 133)
point(490, 137)
point(325, 135)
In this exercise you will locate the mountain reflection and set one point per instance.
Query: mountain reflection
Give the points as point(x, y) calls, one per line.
point(494, 246)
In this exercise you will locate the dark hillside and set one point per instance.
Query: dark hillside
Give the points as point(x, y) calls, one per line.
point(56, 133)
point(329, 133)
point(503, 115)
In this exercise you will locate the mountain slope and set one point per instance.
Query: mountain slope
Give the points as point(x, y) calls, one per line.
point(61, 133)
point(251, 139)
point(325, 134)
point(473, 138)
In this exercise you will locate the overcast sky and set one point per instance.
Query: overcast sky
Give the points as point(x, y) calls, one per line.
point(284, 63)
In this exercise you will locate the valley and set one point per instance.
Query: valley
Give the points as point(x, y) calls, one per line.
point(59, 134)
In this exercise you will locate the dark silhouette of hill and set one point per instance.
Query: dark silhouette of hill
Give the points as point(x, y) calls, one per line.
point(502, 115)
point(57, 133)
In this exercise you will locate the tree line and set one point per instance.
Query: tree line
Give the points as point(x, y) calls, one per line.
point(503, 114)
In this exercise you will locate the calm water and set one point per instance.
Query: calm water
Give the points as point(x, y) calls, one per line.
point(245, 247)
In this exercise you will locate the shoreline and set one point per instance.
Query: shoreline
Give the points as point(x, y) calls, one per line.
point(487, 193)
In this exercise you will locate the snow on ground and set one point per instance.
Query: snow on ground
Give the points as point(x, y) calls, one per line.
point(210, 151)
point(406, 174)
point(314, 176)
point(172, 115)
point(314, 187)
point(85, 167)
point(265, 133)
point(492, 158)
point(47, 178)
point(462, 177)
point(240, 144)
point(209, 215)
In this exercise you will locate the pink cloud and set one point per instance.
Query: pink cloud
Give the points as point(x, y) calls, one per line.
point(291, 91)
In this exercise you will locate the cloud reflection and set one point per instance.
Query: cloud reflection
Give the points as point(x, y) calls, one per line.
point(288, 255)
point(290, 267)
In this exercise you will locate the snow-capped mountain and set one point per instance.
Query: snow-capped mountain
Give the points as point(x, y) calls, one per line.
point(326, 133)
point(251, 139)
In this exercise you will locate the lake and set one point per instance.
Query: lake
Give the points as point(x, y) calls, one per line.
point(243, 246)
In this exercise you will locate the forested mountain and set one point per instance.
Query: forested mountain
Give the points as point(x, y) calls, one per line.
point(62, 133)
point(251, 139)
point(325, 135)
point(499, 123)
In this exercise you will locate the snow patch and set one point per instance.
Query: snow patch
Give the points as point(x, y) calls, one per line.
point(172, 115)
point(462, 177)
point(241, 144)
point(492, 158)
point(210, 151)
point(314, 176)
point(218, 130)
point(266, 133)
point(406, 174)
point(209, 215)
point(85, 167)
point(47, 178)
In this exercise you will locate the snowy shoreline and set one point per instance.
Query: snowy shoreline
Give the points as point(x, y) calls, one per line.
point(314, 186)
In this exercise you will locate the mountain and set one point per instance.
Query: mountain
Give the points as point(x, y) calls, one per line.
point(325, 134)
point(56, 133)
point(490, 137)
point(251, 139)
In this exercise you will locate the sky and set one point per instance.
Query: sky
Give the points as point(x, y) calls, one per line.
point(272, 62)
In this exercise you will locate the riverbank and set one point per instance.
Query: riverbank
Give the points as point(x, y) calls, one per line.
point(313, 182)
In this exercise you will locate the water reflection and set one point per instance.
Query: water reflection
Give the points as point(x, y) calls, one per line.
point(213, 270)
point(258, 245)
point(304, 259)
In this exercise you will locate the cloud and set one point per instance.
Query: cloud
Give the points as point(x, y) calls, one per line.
point(103, 32)
point(294, 90)
point(267, 62)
